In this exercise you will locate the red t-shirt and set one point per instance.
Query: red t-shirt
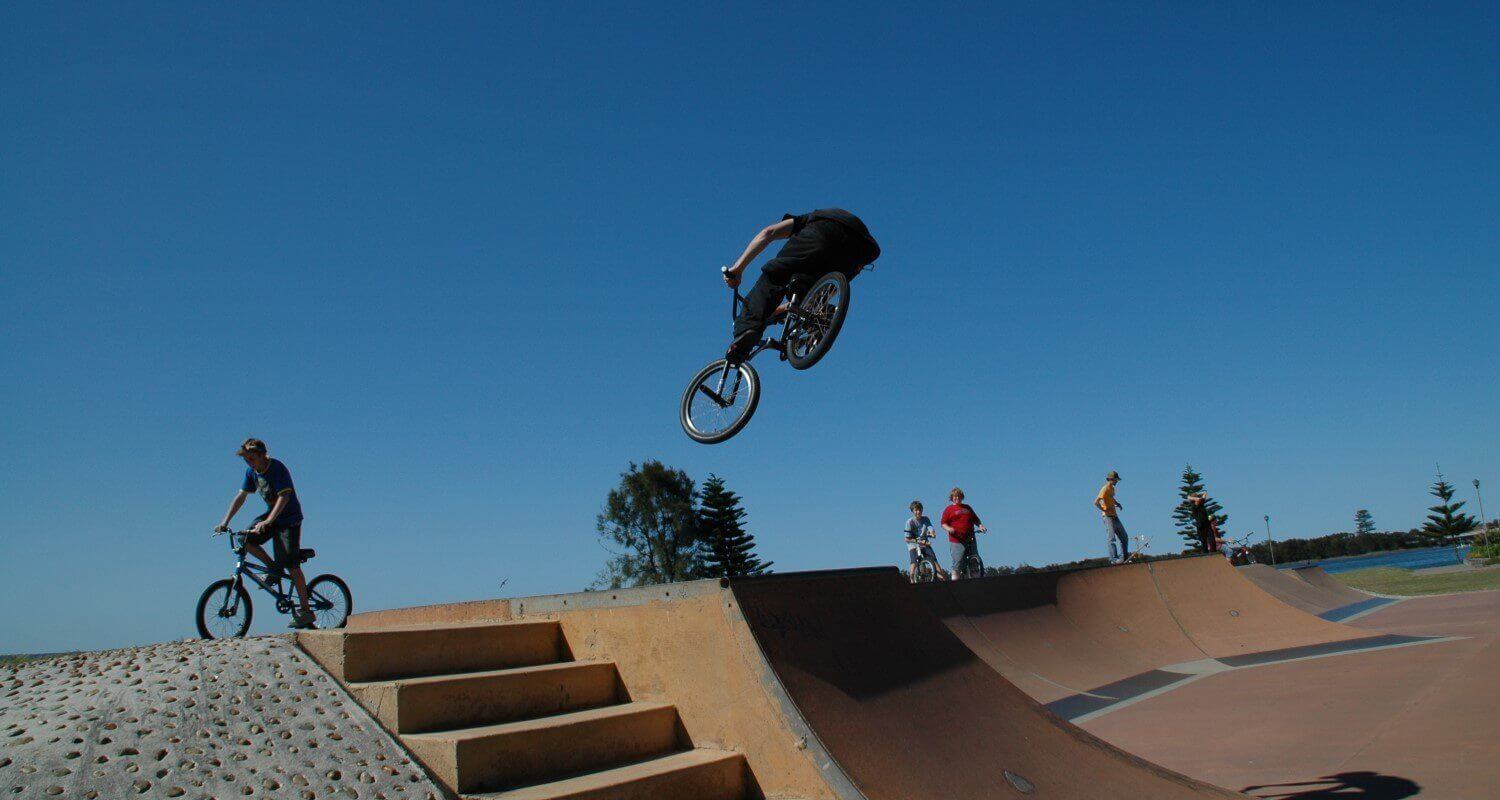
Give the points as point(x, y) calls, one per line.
point(962, 519)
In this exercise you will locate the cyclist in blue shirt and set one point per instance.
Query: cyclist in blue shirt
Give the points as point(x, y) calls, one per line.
point(281, 524)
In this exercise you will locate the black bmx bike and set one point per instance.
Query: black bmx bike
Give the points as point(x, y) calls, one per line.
point(971, 565)
point(224, 609)
point(722, 397)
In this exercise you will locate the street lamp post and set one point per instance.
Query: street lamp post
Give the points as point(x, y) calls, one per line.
point(1269, 540)
point(1484, 522)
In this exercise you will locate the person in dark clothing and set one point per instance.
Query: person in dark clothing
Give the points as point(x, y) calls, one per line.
point(281, 525)
point(818, 242)
point(1203, 522)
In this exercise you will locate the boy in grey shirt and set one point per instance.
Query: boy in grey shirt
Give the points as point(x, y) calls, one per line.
point(919, 536)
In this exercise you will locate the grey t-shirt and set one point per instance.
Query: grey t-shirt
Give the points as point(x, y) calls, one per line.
point(918, 528)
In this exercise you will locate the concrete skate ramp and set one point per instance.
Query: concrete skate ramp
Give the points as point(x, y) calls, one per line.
point(880, 680)
point(1288, 589)
point(833, 686)
point(1226, 615)
point(1083, 641)
point(1354, 603)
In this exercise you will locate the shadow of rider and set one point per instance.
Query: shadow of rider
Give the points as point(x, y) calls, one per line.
point(1362, 785)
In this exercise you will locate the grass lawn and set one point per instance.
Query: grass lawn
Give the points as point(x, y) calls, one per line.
point(1394, 580)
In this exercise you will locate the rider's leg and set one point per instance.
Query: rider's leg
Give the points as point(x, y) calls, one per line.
point(288, 546)
point(1122, 537)
point(958, 550)
point(265, 558)
point(760, 304)
point(931, 556)
point(913, 556)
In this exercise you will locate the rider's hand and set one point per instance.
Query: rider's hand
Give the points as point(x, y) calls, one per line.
point(258, 527)
point(981, 529)
point(731, 278)
point(221, 528)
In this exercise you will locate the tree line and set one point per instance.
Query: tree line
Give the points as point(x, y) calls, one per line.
point(660, 527)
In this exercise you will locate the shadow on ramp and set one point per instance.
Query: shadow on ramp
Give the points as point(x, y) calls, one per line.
point(1342, 786)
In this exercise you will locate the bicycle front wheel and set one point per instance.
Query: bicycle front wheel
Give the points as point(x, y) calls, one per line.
point(719, 401)
point(973, 567)
point(224, 610)
point(825, 306)
point(329, 600)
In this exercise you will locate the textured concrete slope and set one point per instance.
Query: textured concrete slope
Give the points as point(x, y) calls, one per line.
point(224, 719)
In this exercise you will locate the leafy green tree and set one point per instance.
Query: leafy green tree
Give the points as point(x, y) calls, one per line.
point(1192, 483)
point(1445, 519)
point(650, 528)
point(1363, 522)
point(729, 550)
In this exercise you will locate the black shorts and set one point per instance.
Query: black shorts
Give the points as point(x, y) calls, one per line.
point(286, 542)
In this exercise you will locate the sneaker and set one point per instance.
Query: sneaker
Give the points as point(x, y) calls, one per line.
point(303, 622)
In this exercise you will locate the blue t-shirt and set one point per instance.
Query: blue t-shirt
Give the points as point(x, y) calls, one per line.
point(275, 481)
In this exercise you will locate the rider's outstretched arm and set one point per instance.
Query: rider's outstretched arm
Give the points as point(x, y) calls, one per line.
point(762, 240)
point(234, 508)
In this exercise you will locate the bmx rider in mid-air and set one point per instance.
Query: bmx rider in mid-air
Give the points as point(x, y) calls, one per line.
point(818, 242)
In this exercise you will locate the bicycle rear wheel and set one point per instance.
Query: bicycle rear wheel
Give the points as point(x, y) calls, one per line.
point(330, 601)
point(825, 306)
point(224, 610)
point(718, 404)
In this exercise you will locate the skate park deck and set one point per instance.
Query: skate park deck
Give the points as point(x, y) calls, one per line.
point(853, 683)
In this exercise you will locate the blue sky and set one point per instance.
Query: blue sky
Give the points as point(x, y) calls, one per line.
point(455, 266)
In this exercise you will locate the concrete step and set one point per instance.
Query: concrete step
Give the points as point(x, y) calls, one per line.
point(493, 757)
point(390, 653)
point(690, 775)
point(446, 702)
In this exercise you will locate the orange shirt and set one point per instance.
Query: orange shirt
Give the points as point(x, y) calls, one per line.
point(1106, 499)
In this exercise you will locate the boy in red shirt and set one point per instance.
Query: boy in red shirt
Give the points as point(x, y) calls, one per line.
point(960, 521)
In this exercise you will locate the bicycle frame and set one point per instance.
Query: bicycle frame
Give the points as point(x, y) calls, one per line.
point(793, 316)
point(245, 567)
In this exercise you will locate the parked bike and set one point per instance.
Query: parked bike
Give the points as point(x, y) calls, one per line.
point(224, 609)
point(1239, 551)
point(722, 397)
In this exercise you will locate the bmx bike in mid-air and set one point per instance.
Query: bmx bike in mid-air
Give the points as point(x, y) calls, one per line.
point(722, 397)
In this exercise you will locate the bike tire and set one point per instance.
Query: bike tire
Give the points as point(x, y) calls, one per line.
point(751, 388)
point(224, 588)
point(332, 588)
point(926, 572)
point(816, 300)
point(973, 567)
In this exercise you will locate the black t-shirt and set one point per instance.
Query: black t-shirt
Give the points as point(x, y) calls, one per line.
point(849, 222)
point(1199, 512)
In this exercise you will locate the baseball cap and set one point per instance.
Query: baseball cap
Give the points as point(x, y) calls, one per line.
point(1112, 476)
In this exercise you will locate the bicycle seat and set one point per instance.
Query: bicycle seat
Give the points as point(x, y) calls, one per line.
point(306, 553)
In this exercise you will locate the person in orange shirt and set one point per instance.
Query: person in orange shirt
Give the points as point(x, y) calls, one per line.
point(1119, 542)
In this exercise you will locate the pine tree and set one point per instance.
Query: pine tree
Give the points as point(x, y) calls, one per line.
point(1363, 522)
point(730, 551)
point(1445, 519)
point(1192, 483)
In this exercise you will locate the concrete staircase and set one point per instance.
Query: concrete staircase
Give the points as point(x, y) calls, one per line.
point(500, 710)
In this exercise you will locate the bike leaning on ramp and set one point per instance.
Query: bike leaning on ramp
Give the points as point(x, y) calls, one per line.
point(224, 609)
